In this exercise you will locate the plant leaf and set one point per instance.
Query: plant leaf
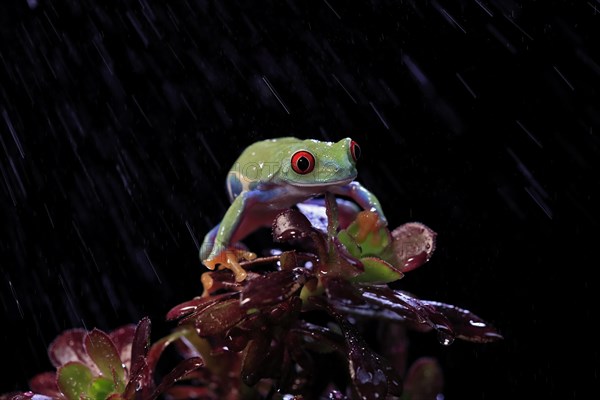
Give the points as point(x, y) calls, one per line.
point(140, 383)
point(409, 307)
point(104, 354)
point(45, 383)
point(74, 380)
point(366, 371)
point(68, 347)
point(178, 373)
point(195, 305)
point(371, 236)
point(412, 245)
point(272, 288)
point(377, 271)
point(219, 317)
point(123, 339)
point(465, 324)
point(424, 380)
point(140, 342)
point(254, 359)
point(101, 388)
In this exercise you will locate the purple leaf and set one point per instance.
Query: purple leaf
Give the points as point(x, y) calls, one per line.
point(178, 373)
point(140, 343)
point(290, 225)
point(340, 263)
point(195, 305)
point(318, 338)
point(254, 359)
point(345, 296)
point(412, 245)
point(140, 383)
point(272, 288)
point(219, 317)
point(367, 374)
point(104, 354)
point(424, 380)
point(45, 383)
point(466, 325)
point(123, 339)
point(68, 347)
point(412, 309)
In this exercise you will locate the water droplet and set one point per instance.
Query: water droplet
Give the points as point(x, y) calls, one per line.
point(445, 338)
point(477, 323)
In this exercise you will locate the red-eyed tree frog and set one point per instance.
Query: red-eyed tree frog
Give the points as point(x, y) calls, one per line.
point(273, 175)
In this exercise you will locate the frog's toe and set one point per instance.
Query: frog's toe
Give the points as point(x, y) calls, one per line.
point(230, 259)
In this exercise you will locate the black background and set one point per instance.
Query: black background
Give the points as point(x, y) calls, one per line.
point(478, 118)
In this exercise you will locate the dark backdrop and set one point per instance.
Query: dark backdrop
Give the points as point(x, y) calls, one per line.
point(478, 118)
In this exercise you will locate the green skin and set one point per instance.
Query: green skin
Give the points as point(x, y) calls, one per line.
point(262, 183)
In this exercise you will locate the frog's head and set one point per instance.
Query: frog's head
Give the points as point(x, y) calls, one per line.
point(316, 163)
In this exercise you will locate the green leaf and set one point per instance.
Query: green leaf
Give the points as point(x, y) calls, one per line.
point(377, 271)
point(101, 388)
point(348, 242)
point(74, 380)
point(105, 355)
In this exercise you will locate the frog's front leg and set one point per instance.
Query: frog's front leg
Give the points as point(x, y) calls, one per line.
point(220, 253)
point(361, 196)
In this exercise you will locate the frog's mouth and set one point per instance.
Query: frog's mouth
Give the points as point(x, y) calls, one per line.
point(339, 182)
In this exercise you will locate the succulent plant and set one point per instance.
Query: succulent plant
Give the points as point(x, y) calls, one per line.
point(296, 328)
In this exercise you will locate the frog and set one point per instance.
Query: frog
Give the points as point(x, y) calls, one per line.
point(273, 175)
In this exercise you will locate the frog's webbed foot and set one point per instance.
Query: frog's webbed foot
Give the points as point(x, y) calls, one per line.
point(230, 258)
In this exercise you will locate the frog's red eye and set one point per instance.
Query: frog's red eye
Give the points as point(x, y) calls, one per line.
point(303, 162)
point(355, 150)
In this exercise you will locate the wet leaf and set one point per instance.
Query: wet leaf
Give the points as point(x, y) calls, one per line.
point(68, 347)
point(366, 372)
point(408, 307)
point(101, 388)
point(318, 338)
point(377, 271)
point(195, 305)
point(254, 358)
point(340, 263)
point(465, 324)
point(140, 342)
point(123, 340)
point(272, 288)
point(349, 243)
point(290, 225)
point(74, 380)
point(424, 380)
point(140, 383)
point(219, 317)
point(412, 246)
point(45, 383)
point(178, 373)
point(104, 354)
